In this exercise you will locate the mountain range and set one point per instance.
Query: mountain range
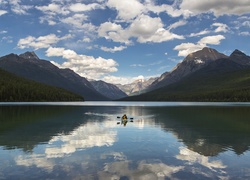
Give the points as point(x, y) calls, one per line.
point(205, 75)
point(18, 89)
point(29, 66)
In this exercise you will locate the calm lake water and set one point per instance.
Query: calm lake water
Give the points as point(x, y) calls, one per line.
point(88, 141)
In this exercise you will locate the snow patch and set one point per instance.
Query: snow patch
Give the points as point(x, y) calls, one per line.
point(198, 61)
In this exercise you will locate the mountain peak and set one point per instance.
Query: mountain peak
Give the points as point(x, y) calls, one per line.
point(240, 58)
point(237, 52)
point(206, 54)
point(29, 55)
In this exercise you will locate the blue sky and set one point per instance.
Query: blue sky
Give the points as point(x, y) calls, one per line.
point(120, 40)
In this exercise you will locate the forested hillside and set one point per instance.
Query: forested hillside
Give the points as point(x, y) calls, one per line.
point(14, 88)
point(223, 80)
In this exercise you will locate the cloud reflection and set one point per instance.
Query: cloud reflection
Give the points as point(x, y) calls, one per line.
point(87, 136)
point(144, 171)
point(35, 159)
point(194, 159)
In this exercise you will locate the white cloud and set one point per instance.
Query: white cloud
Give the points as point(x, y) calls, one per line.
point(125, 79)
point(144, 28)
point(177, 24)
point(169, 9)
point(76, 20)
point(219, 8)
point(199, 33)
point(3, 32)
point(187, 48)
point(245, 33)
point(221, 27)
point(120, 48)
point(148, 29)
point(193, 157)
point(18, 8)
point(145, 170)
point(2, 12)
point(215, 40)
point(145, 25)
point(41, 41)
point(114, 32)
point(35, 160)
point(87, 136)
point(128, 9)
point(86, 66)
point(117, 79)
point(53, 9)
point(79, 7)
point(246, 23)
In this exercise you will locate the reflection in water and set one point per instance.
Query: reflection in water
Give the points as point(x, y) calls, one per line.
point(50, 142)
point(193, 159)
point(209, 130)
point(87, 136)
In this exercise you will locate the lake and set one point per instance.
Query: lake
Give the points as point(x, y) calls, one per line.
point(159, 141)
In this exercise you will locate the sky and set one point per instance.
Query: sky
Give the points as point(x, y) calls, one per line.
point(119, 41)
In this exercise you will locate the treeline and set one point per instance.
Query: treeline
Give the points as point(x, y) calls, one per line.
point(222, 95)
point(17, 89)
point(214, 87)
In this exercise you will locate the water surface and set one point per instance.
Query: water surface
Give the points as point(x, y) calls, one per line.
point(88, 141)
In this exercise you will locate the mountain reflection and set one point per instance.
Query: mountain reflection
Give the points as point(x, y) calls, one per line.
point(208, 130)
point(25, 127)
point(80, 142)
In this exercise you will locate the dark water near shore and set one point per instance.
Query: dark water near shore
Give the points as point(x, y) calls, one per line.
point(164, 141)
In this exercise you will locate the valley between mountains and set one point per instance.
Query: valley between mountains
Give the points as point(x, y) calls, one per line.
point(205, 75)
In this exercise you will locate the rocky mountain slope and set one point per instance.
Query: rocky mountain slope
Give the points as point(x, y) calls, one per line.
point(14, 89)
point(224, 79)
point(136, 87)
point(109, 90)
point(29, 66)
point(190, 64)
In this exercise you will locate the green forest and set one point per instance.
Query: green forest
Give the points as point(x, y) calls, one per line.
point(17, 89)
point(216, 86)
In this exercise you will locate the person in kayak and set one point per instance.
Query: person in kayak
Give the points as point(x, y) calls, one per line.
point(124, 117)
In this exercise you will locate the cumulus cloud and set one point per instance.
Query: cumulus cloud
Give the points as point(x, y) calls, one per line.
point(187, 48)
point(86, 66)
point(214, 40)
point(18, 8)
point(117, 79)
point(171, 10)
point(41, 41)
point(148, 29)
point(125, 79)
point(53, 9)
point(245, 33)
point(120, 48)
point(177, 24)
point(113, 31)
point(218, 8)
point(144, 28)
point(221, 27)
point(199, 33)
point(2, 12)
point(76, 20)
point(79, 7)
point(128, 9)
